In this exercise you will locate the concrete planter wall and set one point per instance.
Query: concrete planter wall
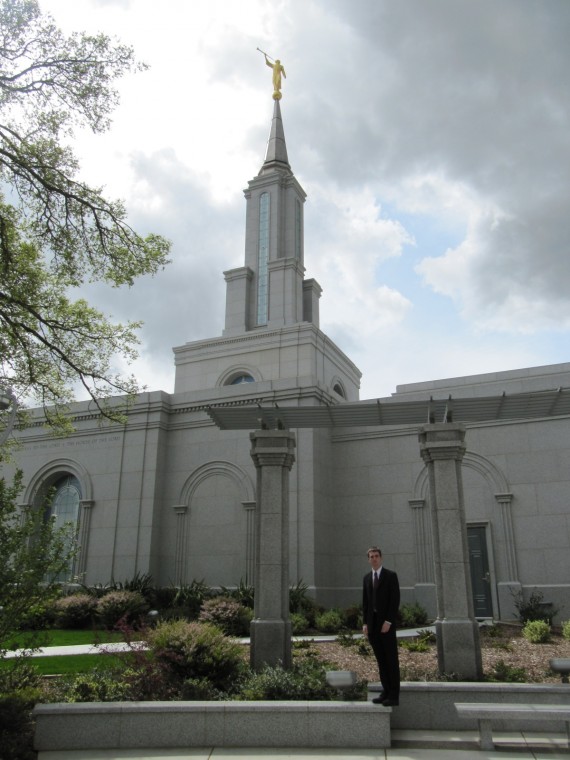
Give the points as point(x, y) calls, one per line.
point(138, 725)
point(429, 705)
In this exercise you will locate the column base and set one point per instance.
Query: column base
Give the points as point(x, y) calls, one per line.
point(270, 643)
point(459, 649)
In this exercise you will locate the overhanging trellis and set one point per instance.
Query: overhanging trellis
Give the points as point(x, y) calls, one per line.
point(382, 412)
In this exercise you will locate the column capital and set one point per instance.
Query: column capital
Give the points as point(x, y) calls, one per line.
point(273, 448)
point(504, 498)
point(442, 440)
point(417, 503)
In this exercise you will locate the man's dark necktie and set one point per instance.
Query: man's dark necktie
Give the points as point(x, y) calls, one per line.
point(376, 581)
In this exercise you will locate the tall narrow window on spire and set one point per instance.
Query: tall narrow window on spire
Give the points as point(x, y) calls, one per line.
point(263, 259)
point(298, 229)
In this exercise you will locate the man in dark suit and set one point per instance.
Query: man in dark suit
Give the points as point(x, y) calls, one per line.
point(380, 603)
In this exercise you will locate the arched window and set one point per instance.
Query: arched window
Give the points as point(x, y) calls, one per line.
point(64, 510)
point(241, 378)
point(337, 388)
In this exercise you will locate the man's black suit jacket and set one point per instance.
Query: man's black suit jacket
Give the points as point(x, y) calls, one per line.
point(387, 601)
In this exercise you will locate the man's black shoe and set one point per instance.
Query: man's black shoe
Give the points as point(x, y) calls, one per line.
point(390, 702)
point(379, 699)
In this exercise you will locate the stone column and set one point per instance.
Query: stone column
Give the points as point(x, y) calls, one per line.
point(425, 586)
point(442, 448)
point(509, 588)
point(180, 550)
point(273, 456)
point(249, 507)
point(85, 507)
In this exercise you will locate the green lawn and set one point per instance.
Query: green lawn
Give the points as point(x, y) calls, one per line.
point(65, 664)
point(62, 638)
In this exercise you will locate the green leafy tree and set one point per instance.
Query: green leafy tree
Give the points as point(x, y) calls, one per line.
point(57, 232)
point(34, 555)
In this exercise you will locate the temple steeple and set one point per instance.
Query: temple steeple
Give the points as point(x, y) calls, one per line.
point(270, 291)
point(276, 154)
point(271, 340)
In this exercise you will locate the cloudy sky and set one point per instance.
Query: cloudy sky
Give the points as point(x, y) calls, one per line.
point(431, 136)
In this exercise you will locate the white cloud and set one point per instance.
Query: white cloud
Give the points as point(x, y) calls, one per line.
point(431, 138)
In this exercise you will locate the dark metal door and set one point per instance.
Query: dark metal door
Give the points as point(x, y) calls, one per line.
point(480, 576)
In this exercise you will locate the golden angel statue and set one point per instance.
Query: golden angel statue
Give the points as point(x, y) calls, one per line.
point(278, 70)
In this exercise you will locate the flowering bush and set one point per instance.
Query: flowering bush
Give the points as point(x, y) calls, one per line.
point(75, 611)
point(198, 651)
point(125, 606)
point(229, 616)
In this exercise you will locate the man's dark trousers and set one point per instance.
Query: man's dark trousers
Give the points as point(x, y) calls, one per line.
point(385, 648)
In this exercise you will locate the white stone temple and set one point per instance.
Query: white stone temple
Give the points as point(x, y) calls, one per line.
point(173, 495)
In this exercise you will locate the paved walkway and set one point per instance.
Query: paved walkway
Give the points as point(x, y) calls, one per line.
point(408, 745)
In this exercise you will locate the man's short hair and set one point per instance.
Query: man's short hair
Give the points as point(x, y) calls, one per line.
point(373, 549)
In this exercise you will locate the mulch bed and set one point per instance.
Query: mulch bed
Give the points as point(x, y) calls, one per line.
point(503, 648)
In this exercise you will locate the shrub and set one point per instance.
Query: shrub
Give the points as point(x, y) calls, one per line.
point(420, 643)
point(412, 616)
point(352, 618)
point(38, 617)
point(566, 629)
point(426, 635)
point(200, 689)
point(360, 643)
point(536, 631)
point(503, 672)
point(16, 725)
point(75, 611)
point(196, 651)
point(346, 639)
point(300, 601)
point(299, 623)
point(141, 582)
point(534, 608)
point(306, 679)
point(125, 606)
point(98, 589)
point(491, 631)
point(415, 645)
point(363, 648)
point(229, 616)
point(99, 685)
point(329, 621)
point(298, 597)
point(189, 598)
point(19, 691)
point(243, 593)
point(164, 597)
